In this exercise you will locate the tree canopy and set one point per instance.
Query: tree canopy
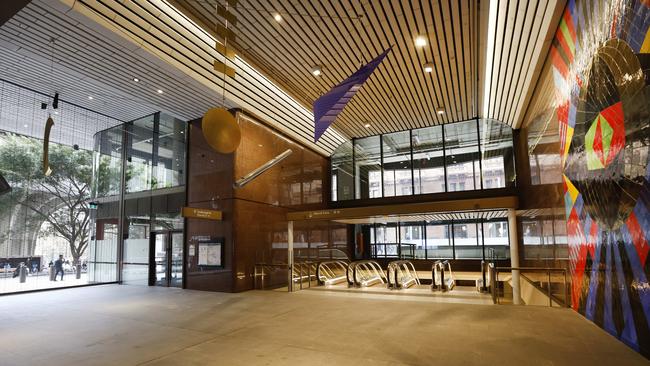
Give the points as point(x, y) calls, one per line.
point(59, 199)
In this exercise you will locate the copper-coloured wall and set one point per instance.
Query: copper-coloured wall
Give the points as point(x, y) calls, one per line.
point(254, 225)
point(209, 185)
point(297, 183)
point(596, 89)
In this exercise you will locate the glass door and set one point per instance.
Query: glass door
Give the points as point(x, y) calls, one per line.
point(159, 267)
point(176, 259)
point(166, 265)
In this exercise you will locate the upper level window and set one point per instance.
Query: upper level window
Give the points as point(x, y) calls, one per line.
point(469, 155)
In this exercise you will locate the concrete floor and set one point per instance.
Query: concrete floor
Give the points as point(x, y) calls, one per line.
point(128, 325)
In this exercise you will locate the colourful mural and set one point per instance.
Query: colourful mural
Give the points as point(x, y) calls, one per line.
point(600, 61)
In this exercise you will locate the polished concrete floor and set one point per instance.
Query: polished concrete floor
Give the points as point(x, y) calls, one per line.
point(128, 325)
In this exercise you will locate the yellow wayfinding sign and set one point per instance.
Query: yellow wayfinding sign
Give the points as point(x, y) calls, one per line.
point(201, 213)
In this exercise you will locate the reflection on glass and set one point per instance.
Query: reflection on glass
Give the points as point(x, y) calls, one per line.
point(384, 241)
point(461, 150)
point(439, 245)
point(139, 154)
point(441, 239)
point(342, 173)
point(495, 234)
point(545, 237)
point(428, 160)
point(367, 167)
point(496, 154)
point(461, 156)
point(466, 240)
point(107, 162)
point(170, 154)
point(398, 180)
point(412, 242)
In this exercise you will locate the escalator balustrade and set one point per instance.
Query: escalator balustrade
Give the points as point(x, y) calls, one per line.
point(402, 274)
point(365, 273)
point(332, 272)
point(442, 278)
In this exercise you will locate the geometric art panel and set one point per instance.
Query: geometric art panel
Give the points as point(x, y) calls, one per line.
point(601, 69)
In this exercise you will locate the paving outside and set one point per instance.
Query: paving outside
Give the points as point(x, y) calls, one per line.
point(40, 281)
point(131, 325)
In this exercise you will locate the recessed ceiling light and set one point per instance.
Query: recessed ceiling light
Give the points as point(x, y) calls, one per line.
point(90, 97)
point(440, 111)
point(25, 125)
point(420, 41)
point(160, 91)
point(56, 112)
point(277, 17)
point(428, 67)
point(316, 70)
point(367, 125)
point(136, 79)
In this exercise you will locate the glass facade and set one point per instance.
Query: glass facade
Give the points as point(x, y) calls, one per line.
point(45, 218)
point(452, 239)
point(462, 156)
point(142, 164)
point(544, 237)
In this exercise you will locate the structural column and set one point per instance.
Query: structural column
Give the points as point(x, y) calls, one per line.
point(514, 256)
point(290, 254)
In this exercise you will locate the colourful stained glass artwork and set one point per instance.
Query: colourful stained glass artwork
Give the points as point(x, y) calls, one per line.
point(606, 137)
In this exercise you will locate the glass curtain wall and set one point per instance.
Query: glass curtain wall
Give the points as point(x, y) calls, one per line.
point(454, 239)
point(428, 160)
point(544, 237)
point(44, 218)
point(462, 156)
point(146, 158)
point(396, 164)
point(367, 167)
point(497, 154)
point(343, 173)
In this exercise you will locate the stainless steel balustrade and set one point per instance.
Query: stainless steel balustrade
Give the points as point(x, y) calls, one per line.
point(442, 278)
point(365, 273)
point(497, 290)
point(332, 272)
point(304, 271)
point(402, 274)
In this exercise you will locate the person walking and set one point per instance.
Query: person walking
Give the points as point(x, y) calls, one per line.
point(58, 267)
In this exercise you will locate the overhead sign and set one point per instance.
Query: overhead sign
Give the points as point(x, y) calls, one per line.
point(201, 213)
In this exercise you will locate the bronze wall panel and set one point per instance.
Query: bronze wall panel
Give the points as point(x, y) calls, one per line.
point(209, 185)
point(254, 224)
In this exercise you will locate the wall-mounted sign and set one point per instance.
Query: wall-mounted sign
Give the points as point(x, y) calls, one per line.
point(201, 213)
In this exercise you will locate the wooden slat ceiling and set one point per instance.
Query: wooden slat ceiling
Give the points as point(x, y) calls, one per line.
point(341, 35)
point(100, 46)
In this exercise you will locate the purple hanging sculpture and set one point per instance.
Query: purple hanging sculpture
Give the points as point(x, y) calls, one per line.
point(329, 105)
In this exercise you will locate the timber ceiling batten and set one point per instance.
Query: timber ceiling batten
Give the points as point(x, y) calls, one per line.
point(340, 35)
point(164, 32)
point(518, 43)
point(102, 46)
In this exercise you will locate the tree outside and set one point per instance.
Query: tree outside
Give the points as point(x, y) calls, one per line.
point(40, 205)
